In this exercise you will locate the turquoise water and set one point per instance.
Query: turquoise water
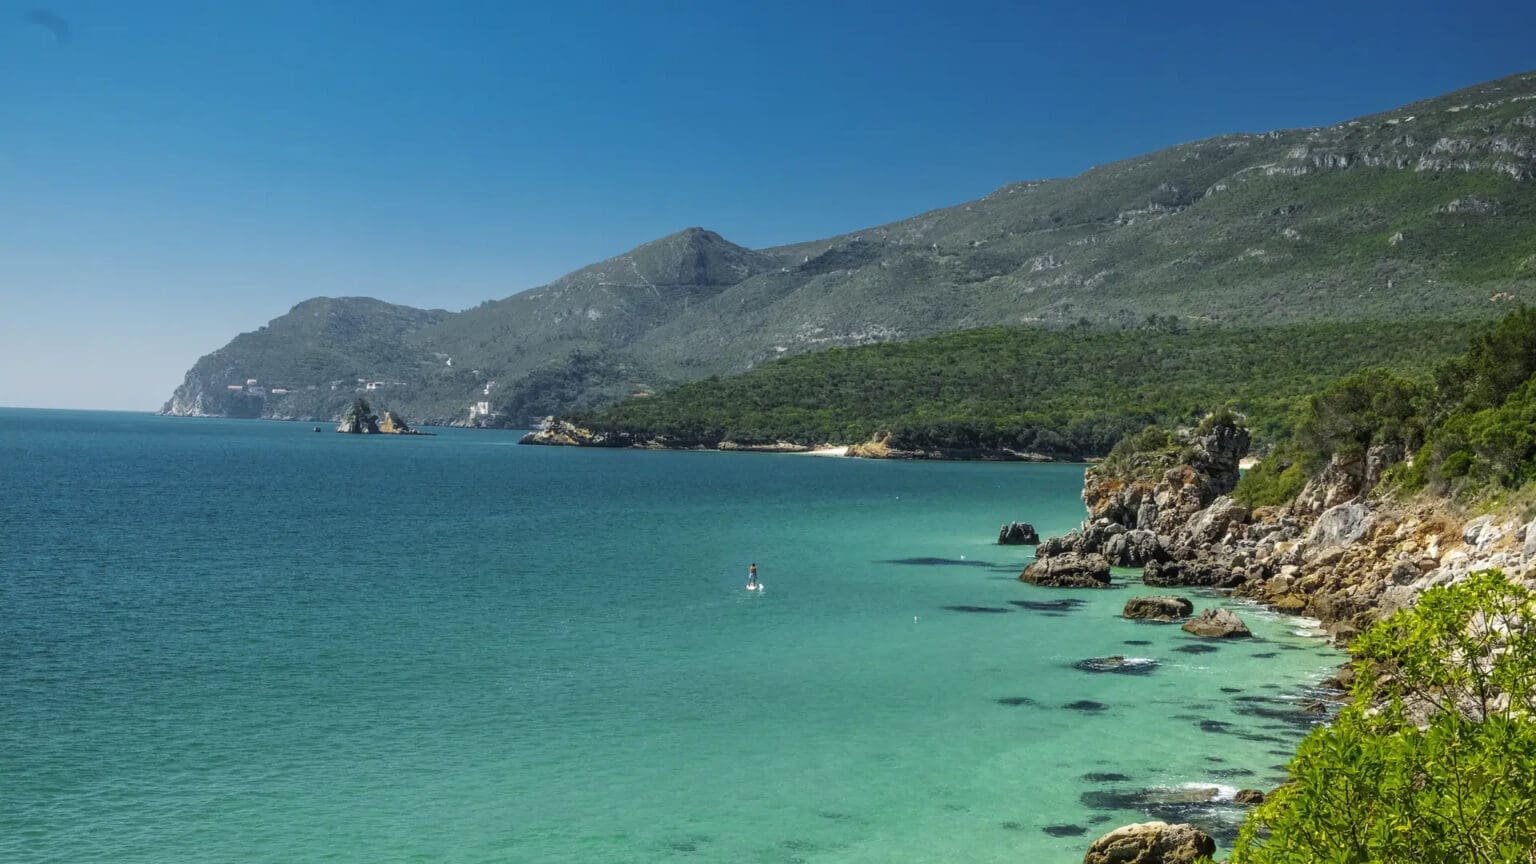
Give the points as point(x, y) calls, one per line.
point(243, 641)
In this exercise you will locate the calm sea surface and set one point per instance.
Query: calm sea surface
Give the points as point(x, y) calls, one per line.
point(233, 641)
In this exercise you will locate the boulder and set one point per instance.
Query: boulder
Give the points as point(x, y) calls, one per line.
point(1217, 624)
point(1339, 526)
point(1069, 542)
point(1151, 843)
point(1212, 524)
point(1018, 534)
point(1134, 548)
point(1068, 570)
point(1201, 573)
point(1160, 607)
point(1248, 796)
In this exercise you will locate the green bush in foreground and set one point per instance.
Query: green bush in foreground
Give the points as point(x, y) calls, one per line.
point(1434, 760)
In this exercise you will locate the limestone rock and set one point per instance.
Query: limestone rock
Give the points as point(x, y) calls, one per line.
point(1018, 534)
point(1151, 843)
point(1212, 524)
point(1158, 607)
point(1134, 548)
point(1339, 526)
point(1248, 796)
point(1217, 624)
point(359, 419)
point(1201, 573)
point(1068, 570)
point(563, 433)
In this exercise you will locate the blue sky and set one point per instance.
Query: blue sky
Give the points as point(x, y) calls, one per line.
point(174, 173)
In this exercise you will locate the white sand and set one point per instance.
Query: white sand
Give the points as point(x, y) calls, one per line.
point(826, 451)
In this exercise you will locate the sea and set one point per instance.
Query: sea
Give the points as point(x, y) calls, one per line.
point(246, 641)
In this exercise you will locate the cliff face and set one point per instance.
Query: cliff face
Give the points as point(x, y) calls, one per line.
point(1159, 491)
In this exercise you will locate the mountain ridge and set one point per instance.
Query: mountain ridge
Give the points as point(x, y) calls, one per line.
point(1418, 211)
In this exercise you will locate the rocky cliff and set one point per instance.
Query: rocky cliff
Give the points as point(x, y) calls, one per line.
point(1342, 551)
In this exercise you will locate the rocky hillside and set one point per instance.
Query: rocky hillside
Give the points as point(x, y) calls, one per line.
point(1422, 211)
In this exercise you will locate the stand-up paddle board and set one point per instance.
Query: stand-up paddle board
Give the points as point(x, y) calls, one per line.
point(757, 587)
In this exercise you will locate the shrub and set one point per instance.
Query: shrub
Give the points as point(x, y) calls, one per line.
point(1434, 759)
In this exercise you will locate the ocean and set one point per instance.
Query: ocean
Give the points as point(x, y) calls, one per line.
point(244, 641)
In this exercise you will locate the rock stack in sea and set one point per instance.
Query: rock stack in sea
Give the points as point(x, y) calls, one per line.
point(1018, 534)
point(359, 419)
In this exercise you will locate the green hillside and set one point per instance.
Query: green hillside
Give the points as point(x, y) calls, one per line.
point(1066, 393)
point(1426, 211)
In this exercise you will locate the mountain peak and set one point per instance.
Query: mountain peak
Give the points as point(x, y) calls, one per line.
point(691, 257)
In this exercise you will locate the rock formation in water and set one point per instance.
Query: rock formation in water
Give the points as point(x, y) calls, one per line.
point(1151, 843)
point(1158, 607)
point(1068, 570)
point(1217, 624)
point(1018, 534)
point(359, 419)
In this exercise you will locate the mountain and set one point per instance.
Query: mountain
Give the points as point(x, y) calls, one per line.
point(1425, 211)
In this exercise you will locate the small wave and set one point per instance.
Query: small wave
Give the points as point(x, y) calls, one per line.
point(1224, 793)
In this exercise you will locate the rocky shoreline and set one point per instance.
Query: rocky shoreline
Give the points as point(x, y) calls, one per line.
point(557, 432)
point(1341, 552)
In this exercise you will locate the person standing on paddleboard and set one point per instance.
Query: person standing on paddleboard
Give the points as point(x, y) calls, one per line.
point(752, 576)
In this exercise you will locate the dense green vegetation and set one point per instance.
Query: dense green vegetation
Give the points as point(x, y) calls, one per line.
point(1470, 427)
point(1434, 759)
point(1065, 393)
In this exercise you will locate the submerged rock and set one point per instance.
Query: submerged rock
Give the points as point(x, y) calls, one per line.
point(1068, 570)
point(1018, 534)
point(1086, 705)
point(1217, 624)
point(1249, 796)
point(1151, 843)
point(1117, 664)
point(1159, 607)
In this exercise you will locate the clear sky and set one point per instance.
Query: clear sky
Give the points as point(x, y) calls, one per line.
point(174, 173)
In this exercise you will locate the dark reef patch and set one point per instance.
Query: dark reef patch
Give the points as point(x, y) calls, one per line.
point(1085, 705)
point(1065, 830)
point(1064, 605)
point(1197, 649)
point(1105, 777)
point(1231, 689)
point(1015, 701)
point(1136, 642)
point(1232, 772)
point(1265, 655)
